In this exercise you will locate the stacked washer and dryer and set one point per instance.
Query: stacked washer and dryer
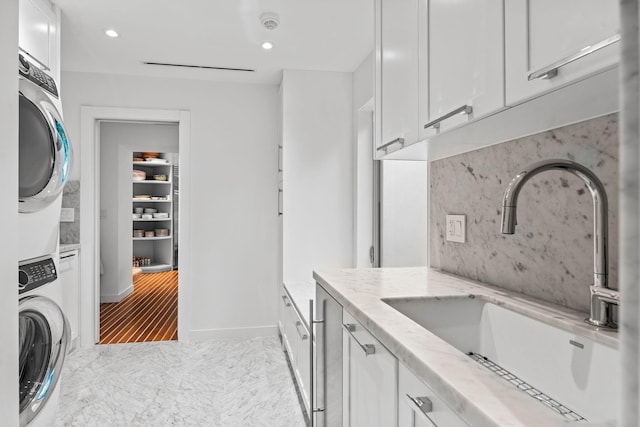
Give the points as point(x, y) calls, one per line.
point(45, 156)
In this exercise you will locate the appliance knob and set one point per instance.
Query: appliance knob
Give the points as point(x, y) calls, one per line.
point(24, 64)
point(23, 278)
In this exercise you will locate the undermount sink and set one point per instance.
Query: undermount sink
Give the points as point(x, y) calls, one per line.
point(550, 364)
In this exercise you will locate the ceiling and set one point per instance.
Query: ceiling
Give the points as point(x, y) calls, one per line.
point(328, 35)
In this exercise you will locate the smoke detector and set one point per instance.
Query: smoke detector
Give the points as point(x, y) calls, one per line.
point(270, 20)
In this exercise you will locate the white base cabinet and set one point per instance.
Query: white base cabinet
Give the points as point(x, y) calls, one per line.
point(296, 341)
point(370, 378)
point(418, 406)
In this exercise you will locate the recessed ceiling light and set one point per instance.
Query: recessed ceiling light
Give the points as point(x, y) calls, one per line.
point(267, 45)
point(112, 33)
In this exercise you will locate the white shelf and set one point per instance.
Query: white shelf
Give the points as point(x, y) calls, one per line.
point(137, 239)
point(159, 249)
point(156, 268)
point(150, 181)
point(153, 164)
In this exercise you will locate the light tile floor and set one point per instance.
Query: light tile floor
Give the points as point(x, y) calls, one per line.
point(218, 383)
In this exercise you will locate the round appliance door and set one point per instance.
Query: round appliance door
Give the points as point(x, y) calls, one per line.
point(44, 151)
point(43, 338)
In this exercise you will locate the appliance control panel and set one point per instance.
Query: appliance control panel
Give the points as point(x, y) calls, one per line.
point(37, 76)
point(36, 274)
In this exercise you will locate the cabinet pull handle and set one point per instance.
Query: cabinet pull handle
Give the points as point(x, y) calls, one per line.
point(368, 349)
point(465, 109)
point(313, 368)
point(284, 299)
point(390, 143)
point(421, 405)
point(303, 336)
point(550, 71)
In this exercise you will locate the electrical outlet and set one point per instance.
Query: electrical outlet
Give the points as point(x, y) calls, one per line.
point(456, 228)
point(67, 215)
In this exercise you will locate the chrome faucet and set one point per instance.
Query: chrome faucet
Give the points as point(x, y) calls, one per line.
point(603, 298)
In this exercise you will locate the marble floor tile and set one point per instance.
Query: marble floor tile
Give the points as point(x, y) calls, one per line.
point(218, 383)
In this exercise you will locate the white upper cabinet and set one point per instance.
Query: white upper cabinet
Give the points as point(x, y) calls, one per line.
point(550, 43)
point(397, 89)
point(466, 61)
point(38, 34)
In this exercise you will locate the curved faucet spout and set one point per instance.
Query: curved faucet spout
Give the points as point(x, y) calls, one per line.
point(600, 224)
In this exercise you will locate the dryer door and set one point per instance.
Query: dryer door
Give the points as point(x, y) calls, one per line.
point(44, 152)
point(44, 337)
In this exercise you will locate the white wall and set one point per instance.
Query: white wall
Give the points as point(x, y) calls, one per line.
point(117, 143)
point(318, 160)
point(234, 182)
point(405, 186)
point(9, 212)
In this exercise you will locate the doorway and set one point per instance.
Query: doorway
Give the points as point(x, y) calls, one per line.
point(120, 121)
point(138, 299)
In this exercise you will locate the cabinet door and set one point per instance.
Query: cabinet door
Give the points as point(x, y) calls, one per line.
point(70, 281)
point(370, 375)
point(541, 33)
point(303, 365)
point(37, 32)
point(418, 406)
point(397, 91)
point(466, 60)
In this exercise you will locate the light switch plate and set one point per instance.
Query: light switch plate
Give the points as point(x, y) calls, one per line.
point(67, 215)
point(457, 228)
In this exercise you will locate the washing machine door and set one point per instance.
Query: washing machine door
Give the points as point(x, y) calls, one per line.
point(44, 152)
point(44, 338)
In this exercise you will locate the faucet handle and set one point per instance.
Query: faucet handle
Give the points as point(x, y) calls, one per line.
point(611, 296)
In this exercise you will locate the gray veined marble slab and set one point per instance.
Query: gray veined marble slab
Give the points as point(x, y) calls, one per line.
point(218, 383)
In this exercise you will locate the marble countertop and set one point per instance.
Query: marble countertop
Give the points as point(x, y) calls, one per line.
point(471, 390)
point(68, 247)
point(301, 293)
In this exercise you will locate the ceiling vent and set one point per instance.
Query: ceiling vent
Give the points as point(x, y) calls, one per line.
point(270, 20)
point(205, 67)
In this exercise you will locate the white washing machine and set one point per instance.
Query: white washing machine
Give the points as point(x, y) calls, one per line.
point(44, 336)
point(44, 163)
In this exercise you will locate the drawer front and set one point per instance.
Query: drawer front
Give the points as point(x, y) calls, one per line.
point(419, 406)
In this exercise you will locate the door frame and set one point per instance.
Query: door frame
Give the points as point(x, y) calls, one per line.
point(365, 117)
point(90, 118)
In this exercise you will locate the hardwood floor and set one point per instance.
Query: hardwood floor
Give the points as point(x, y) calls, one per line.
point(149, 313)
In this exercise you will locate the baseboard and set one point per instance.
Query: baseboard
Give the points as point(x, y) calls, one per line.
point(116, 298)
point(253, 332)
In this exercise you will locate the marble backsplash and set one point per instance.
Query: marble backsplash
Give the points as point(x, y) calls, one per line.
point(551, 254)
point(70, 231)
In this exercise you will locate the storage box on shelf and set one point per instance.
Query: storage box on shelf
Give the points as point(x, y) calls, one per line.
point(152, 208)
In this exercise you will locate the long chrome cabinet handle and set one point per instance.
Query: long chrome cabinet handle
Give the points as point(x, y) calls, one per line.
point(421, 406)
point(312, 368)
point(550, 71)
point(285, 300)
point(303, 335)
point(368, 349)
point(465, 109)
point(390, 143)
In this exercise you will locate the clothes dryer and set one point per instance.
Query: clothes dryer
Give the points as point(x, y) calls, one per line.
point(44, 337)
point(44, 162)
